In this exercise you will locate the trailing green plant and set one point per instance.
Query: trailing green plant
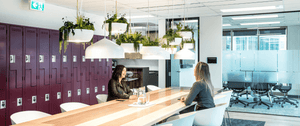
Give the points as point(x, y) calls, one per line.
point(171, 35)
point(179, 27)
point(147, 42)
point(135, 38)
point(113, 19)
point(64, 31)
point(188, 41)
point(168, 46)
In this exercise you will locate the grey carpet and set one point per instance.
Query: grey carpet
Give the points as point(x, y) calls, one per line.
point(288, 110)
point(240, 122)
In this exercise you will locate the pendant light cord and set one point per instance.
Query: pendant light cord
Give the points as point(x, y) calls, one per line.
point(148, 21)
point(104, 19)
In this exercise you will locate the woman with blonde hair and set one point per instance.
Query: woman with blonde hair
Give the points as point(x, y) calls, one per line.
point(202, 90)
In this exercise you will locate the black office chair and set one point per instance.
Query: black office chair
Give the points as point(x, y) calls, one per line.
point(247, 91)
point(262, 89)
point(285, 88)
point(236, 87)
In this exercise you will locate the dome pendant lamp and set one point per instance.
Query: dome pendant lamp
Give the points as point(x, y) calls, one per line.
point(104, 48)
point(185, 54)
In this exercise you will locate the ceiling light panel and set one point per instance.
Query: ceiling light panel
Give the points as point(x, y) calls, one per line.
point(255, 17)
point(261, 23)
point(251, 9)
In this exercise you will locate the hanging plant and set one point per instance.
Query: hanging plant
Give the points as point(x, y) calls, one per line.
point(187, 41)
point(135, 38)
point(114, 19)
point(170, 36)
point(147, 42)
point(81, 23)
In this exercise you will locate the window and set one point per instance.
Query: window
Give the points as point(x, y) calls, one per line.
point(267, 39)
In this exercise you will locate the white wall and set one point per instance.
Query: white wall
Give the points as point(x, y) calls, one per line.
point(18, 12)
point(152, 64)
point(211, 46)
point(293, 35)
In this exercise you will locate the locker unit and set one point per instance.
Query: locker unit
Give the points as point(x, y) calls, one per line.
point(43, 71)
point(55, 81)
point(85, 79)
point(15, 78)
point(76, 79)
point(3, 75)
point(93, 79)
point(30, 62)
point(66, 72)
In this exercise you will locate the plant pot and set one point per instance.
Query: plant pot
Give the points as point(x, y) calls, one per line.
point(150, 50)
point(186, 35)
point(128, 47)
point(177, 41)
point(81, 35)
point(171, 50)
point(188, 45)
point(117, 28)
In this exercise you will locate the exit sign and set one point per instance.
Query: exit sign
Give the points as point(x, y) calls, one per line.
point(37, 5)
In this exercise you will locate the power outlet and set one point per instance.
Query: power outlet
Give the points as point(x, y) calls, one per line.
point(69, 93)
point(103, 87)
point(58, 95)
point(78, 91)
point(96, 89)
point(47, 97)
point(2, 104)
point(87, 90)
point(19, 101)
point(33, 99)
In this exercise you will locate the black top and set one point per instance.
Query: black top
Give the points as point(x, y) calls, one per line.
point(117, 90)
point(201, 94)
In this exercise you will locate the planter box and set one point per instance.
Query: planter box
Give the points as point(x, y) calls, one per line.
point(188, 45)
point(81, 35)
point(150, 50)
point(117, 28)
point(171, 50)
point(129, 47)
point(186, 35)
point(176, 42)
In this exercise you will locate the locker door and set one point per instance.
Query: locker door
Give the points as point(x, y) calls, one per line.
point(15, 71)
point(44, 71)
point(66, 79)
point(93, 80)
point(108, 74)
point(30, 88)
point(85, 79)
point(3, 70)
point(77, 92)
point(101, 76)
point(55, 85)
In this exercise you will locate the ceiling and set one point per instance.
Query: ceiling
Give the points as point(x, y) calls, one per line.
point(189, 8)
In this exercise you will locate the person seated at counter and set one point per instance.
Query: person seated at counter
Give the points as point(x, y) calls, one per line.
point(202, 90)
point(117, 89)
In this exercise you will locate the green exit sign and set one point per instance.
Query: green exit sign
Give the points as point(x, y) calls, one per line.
point(37, 5)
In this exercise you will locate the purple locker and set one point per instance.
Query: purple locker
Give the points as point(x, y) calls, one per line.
point(43, 71)
point(55, 85)
point(85, 79)
point(76, 58)
point(66, 79)
point(3, 70)
point(30, 88)
point(93, 80)
point(15, 71)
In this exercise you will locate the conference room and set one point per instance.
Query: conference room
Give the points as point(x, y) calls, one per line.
point(149, 62)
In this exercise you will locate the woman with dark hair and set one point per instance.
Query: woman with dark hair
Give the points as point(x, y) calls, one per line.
point(117, 89)
point(202, 90)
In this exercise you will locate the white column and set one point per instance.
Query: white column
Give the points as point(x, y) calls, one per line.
point(211, 46)
point(161, 63)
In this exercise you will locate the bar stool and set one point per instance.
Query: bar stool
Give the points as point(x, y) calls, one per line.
point(69, 106)
point(101, 98)
point(25, 116)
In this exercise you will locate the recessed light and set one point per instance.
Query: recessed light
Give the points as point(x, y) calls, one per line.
point(252, 9)
point(264, 28)
point(260, 23)
point(255, 17)
point(226, 25)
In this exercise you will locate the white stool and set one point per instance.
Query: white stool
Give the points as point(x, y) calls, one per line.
point(186, 119)
point(152, 88)
point(65, 107)
point(211, 116)
point(25, 116)
point(101, 98)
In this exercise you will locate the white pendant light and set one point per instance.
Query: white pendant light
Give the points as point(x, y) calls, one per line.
point(81, 35)
point(185, 54)
point(104, 49)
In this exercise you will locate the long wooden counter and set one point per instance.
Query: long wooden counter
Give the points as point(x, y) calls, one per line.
point(118, 113)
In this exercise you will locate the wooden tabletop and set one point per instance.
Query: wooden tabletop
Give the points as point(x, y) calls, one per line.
point(118, 113)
